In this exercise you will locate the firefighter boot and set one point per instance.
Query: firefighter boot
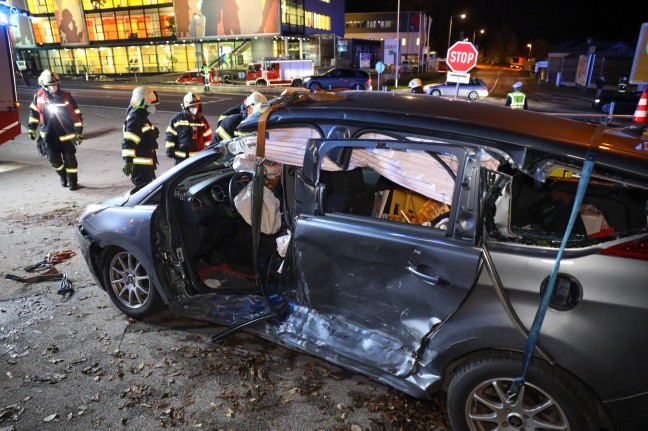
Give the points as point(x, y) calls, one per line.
point(72, 181)
point(64, 180)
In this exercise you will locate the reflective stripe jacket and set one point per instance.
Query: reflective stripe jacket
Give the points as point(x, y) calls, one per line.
point(140, 138)
point(186, 135)
point(58, 114)
point(227, 124)
point(516, 100)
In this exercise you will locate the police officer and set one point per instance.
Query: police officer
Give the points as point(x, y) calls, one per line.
point(188, 130)
point(230, 119)
point(139, 144)
point(61, 126)
point(416, 86)
point(516, 99)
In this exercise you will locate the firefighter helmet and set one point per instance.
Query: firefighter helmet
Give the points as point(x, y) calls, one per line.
point(190, 99)
point(143, 97)
point(48, 78)
point(415, 83)
point(255, 98)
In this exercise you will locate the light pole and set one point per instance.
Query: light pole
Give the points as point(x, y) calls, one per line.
point(480, 32)
point(462, 16)
point(398, 42)
point(529, 46)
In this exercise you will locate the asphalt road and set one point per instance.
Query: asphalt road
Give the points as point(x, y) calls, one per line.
point(77, 363)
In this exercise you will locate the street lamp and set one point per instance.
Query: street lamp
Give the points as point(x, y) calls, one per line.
point(480, 32)
point(529, 46)
point(462, 16)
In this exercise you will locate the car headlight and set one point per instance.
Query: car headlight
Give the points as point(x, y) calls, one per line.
point(307, 79)
point(91, 210)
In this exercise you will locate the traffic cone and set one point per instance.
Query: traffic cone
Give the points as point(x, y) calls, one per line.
point(640, 113)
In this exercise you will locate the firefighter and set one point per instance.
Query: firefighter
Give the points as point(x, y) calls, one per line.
point(516, 99)
point(139, 144)
point(416, 86)
point(61, 128)
point(230, 119)
point(188, 130)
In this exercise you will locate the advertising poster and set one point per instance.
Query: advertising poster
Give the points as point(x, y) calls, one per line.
point(639, 73)
point(70, 21)
point(211, 18)
point(21, 29)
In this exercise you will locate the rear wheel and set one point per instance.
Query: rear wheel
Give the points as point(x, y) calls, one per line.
point(435, 93)
point(129, 285)
point(473, 95)
point(550, 399)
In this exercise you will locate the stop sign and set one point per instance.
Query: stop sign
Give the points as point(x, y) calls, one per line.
point(462, 56)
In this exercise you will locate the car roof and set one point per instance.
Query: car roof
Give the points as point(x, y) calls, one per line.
point(512, 131)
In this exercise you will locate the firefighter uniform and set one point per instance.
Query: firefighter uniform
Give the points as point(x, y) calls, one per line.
point(516, 99)
point(61, 127)
point(139, 144)
point(188, 131)
point(229, 120)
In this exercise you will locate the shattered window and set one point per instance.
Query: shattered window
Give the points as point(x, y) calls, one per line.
point(408, 186)
point(540, 205)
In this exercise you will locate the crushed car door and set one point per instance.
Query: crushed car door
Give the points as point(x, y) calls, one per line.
point(378, 280)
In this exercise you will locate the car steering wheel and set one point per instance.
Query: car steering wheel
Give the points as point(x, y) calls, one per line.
point(238, 181)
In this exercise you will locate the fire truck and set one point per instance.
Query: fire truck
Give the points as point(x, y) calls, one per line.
point(278, 71)
point(9, 124)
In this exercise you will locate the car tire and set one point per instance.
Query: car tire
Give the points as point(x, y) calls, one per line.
point(296, 83)
point(128, 284)
point(435, 93)
point(314, 87)
point(473, 95)
point(476, 397)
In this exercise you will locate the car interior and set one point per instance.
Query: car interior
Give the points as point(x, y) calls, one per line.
point(413, 187)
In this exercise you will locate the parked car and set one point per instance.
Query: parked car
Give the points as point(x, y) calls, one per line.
point(409, 239)
point(475, 89)
point(335, 78)
point(196, 77)
point(624, 103)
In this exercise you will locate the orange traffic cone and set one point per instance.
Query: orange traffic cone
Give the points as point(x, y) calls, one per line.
point(640, 113)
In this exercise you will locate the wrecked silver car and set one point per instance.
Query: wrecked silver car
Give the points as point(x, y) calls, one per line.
point(429, 244)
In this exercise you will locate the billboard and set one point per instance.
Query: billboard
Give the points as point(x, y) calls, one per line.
point(639, 73)
point(196, 19)
point(70, 22)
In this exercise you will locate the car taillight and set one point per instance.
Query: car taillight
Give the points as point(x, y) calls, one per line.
point(633, 249)
point(369, 81)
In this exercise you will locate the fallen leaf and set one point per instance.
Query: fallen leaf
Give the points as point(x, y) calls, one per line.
point(51, 417)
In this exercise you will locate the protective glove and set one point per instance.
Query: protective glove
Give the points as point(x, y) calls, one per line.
point(127, 169)
point(78, 140)
point(32, 134)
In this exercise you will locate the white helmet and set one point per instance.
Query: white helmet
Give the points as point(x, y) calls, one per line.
point(255, 98)
point(48, 78)
point(415, 83)
point(190, 99)
point(143, 97)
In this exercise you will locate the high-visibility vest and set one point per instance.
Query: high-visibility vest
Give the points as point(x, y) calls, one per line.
point(517, 99)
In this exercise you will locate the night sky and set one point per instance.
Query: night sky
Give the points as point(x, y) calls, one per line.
point(553, 21)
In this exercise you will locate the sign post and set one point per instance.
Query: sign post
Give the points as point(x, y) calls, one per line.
point(462, 56)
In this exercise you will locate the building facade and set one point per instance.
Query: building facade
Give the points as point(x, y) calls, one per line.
point(115, 37)
point(382, 26)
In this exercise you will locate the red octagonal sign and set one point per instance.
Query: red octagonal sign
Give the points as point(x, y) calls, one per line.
point(462, 56)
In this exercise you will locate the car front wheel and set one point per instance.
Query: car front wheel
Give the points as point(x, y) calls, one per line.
point(314, 87)
point(473, 95)
point(129, 285)
point(435, 93)
point(550, 398)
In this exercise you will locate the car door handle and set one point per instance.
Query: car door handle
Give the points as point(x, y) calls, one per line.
point(429, 279)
